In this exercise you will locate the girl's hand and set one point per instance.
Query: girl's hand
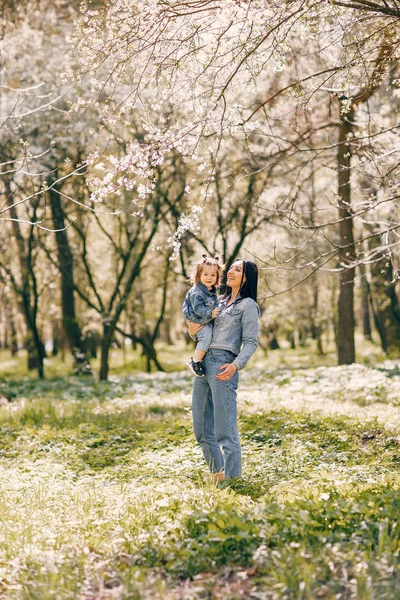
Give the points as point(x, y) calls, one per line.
point(228, 371)
point(215, 312)
point(194, 328)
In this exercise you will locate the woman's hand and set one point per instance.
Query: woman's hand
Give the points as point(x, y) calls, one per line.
point(215, 312)
point(194, 328)
point(228, 371)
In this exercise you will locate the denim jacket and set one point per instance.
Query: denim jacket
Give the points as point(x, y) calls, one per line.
point(199, 304)
point(236, 329)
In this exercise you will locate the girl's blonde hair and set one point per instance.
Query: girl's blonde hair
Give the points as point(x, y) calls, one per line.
point(208, 261)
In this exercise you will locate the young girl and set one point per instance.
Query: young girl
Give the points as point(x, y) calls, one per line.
point(201, 306)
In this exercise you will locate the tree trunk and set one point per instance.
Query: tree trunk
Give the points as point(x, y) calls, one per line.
point(110, 322)
point(365, 309)
point(316, 328)
point(14, 339)
point(76, 340)
point(291, 338)
point(26, 291)
point(385, 305)
point(165, 332)
point(147, 343)
point(13, 332)
point(106, 341)
point(56, 338)
point(346, 346)
point(379, 324)
point(394, 295)
point(302, 337)
point(272, 332)
point(347, 255)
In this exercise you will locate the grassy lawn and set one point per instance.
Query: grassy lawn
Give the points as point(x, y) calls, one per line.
point(104, 493)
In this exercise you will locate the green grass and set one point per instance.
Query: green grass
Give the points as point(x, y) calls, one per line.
point(104, 492)
point(172, 358)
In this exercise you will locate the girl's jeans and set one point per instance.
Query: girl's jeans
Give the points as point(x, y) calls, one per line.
point(215, 415)
point(203, 338)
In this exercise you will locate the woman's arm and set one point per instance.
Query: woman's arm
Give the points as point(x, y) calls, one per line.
point(194, 328)
point(250, 317)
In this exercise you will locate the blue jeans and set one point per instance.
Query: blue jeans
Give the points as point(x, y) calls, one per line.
point(214, 411)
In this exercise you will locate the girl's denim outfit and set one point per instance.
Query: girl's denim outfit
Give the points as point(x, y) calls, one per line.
point(197, 307)
point(214, 403)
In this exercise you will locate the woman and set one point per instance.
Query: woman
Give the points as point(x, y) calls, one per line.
point(233, 342)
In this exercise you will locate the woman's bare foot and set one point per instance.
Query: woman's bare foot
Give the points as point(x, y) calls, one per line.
point(217, 477)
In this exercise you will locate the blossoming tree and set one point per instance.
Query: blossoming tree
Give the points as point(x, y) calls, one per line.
point(252, 71)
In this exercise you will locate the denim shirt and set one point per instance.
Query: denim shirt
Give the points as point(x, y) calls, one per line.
point(199, 304)
point(236, 329)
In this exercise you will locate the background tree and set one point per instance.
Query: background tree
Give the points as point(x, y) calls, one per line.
point(226, 128)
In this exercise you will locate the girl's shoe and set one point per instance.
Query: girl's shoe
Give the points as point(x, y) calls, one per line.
point(196, 368)
point(217, 477)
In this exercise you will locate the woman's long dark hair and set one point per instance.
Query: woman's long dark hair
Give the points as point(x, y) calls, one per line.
point(248, 289)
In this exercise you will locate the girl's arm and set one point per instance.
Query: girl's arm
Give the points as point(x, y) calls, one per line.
point(201, 309)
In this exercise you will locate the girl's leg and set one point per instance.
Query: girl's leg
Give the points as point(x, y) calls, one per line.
point(203, 341)
point(225, 411)
point(198, 355)
point(203, 424)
